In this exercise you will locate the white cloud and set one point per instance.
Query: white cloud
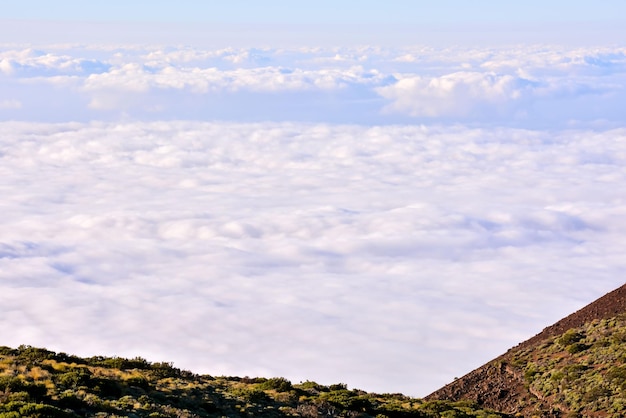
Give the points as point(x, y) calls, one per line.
point(523, 86)
point(10, 104)
point(459, 94)
point(520, 86)
point(392, 258)
point(33, 63)
point(133, 77)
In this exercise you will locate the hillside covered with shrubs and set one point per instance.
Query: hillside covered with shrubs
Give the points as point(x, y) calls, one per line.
point(35, 382)
point(575, 368)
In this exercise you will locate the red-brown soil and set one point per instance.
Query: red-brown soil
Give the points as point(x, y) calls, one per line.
point(498, 386)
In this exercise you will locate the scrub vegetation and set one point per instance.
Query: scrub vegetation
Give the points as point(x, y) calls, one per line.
point(575, 368)
point(582, 372)
point(35, 382)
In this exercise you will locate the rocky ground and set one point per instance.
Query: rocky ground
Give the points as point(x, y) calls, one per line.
point(503, 387)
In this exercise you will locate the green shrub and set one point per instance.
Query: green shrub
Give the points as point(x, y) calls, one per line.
point(617, 376)
point(77, 377)
point(338, 386)
point(163, 370)
point(570, 337)
point(530, 372)
point(37, 391)
point(594, 393)
point(106, 388)
point(312, 388)
point(33, 410)
point(120, 363)
point(577, 348)
point(138, 381)
point(69, 400)
point(574, 371)
point(279, 384)
point(251, 395)
point(12, 384)
point(32, 355)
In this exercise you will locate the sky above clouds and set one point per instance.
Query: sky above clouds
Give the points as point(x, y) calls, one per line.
point(387, 208)
point(331, 23)
point(320, 11)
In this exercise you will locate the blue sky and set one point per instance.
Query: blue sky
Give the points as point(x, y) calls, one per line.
point(289, 23)
point(324, 11)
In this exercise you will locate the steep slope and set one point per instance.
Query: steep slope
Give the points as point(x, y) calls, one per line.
point(576, 367)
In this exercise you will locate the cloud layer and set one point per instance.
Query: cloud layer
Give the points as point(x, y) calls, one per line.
point(526, 86)
point(389, 257)
point(385, 217)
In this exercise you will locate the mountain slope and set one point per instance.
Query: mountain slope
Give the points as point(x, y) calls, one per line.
point(35, 382)
point(576, 367)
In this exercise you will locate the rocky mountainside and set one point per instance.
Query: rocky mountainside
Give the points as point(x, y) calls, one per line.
point(574, 368)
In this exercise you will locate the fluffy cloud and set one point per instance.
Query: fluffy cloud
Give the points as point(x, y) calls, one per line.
point(389, 256)
point(392, 258)
point(458, 94)
point(134, 78)
point(523, 86)
point(32, 63)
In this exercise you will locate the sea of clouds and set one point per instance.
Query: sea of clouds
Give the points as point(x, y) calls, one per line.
point(531, 86)
point(387, 218)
